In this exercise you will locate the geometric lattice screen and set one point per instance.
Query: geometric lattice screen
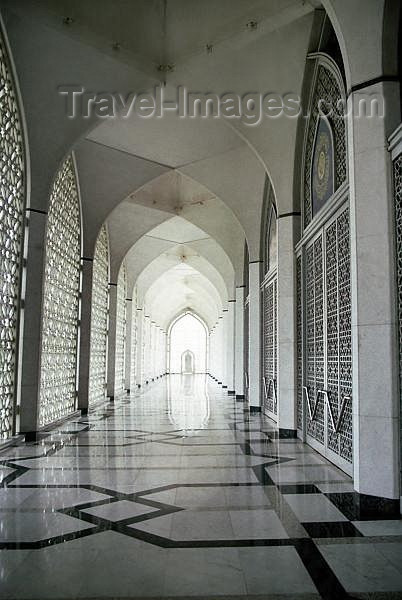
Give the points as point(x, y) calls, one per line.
point(328, 92)
point(323, 291)
point(120, 332)
point(270, 309)
point(299, 343)
point(12, 198)
point(328, 342)
point(99, 319)
point(398, 231)
point(270, 346)
point(339, 332)
point(61, 299)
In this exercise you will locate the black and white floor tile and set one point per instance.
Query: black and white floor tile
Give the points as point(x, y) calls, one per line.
point(180, 492)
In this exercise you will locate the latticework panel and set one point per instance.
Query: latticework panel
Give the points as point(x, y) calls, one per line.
point(99, 319)
point(345, 334)
point(60, 299)
point(299, 342)
point(143, 334)
point(246, 350)
point(12, 198)
point(269, 346)
point(332, 328)
point(328, 93)
point(276, 331)
point(315, 334)
point(398, 231)
point(339, 335)
point(120, 331)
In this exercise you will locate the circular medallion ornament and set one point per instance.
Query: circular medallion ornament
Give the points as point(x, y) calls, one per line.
point(321, 167)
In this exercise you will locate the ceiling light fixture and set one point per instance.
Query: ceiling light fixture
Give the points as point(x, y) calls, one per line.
point(252, 25)
point(166, 68)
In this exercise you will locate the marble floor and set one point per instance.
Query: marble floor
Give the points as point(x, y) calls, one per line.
point(179, 492)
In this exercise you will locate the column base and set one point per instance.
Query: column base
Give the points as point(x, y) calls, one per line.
point(287, 433)
point(362, 507)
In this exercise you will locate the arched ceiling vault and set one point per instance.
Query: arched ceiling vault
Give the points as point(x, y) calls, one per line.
point(116, 157)
point(168, 261)
point(118, 46)
point(171, 274)
point(177, 241)
point(173, 202)
point(183, 288)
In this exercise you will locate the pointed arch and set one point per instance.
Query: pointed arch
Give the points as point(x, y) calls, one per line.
point(269, 227)
point(196, 343)
point(99, 319)
point(61, 294)
point(270, 303)
point(13, 193)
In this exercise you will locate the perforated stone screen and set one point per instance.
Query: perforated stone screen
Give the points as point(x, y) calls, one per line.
point(61, 299)
point(120, 331)
point(99, 319)
point(12, 199)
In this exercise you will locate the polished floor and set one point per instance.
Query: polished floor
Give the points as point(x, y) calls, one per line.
point(179, 492)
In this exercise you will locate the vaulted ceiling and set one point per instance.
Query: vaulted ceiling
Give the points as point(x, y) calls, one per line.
point(179, 195)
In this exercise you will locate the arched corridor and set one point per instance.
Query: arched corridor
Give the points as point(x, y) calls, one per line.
point(200, 299)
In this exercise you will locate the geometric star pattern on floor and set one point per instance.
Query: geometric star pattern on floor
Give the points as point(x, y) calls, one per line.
point(208, 509)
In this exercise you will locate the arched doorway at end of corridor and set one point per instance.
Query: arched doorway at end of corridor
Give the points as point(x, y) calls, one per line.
point(187, 363)
point(188, 344)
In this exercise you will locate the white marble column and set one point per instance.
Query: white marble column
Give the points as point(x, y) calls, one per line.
point(147, 349)
point(139, 372)
point(374, 326)
point(210, 352)
point(85, 334)
point(128, 346)
point(225, 352)
point(164, 358)
point(111, 354)
point(151, 351)
point(31, 316)
point(156, 351)
point(160, 351)
point(286, 384)
point(134, 341)
point(162, 367)
point(254, 366)
point(221, 362)
point(230, 361)
point(239, 341)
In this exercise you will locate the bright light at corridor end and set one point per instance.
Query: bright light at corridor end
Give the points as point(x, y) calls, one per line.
point(188, 345)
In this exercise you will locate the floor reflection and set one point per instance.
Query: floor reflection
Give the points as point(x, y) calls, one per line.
point(188, 402)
